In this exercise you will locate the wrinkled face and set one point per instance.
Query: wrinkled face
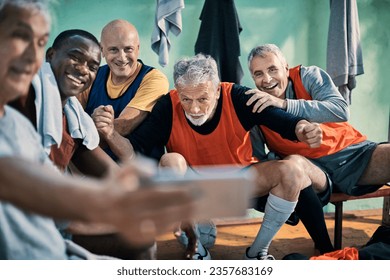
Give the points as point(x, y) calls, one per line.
point(75, 65)
point(120, 50)
point(23, 37)
point(270, 75)
point(199, 102)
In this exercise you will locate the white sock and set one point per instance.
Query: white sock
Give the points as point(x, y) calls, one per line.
point(276, 213)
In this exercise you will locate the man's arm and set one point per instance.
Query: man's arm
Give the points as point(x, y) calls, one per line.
point(153, 132)
point(38, 188)
point(154, 85)
point(287, 125)
point(327, 104)
point(114, 201)
point(128, 120)
point(272, 117)
point(95, 163)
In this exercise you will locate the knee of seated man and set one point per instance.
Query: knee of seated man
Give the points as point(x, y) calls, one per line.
point(292, 175)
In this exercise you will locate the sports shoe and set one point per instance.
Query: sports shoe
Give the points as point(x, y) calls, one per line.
point(198, 256)
point(206, 232)
point(258, 257)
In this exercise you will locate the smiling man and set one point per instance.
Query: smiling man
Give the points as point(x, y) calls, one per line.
point(70, 136)
point(33, 194)
point(68, 133)
point(126, 83)
point(353, 164)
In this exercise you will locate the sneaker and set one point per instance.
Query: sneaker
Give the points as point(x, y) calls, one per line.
point(198, 256)
point(258, 257)
point(206, 232)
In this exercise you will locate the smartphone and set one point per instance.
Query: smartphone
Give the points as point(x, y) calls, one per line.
point(221, 192)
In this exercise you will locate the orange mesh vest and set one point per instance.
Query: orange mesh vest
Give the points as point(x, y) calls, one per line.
point(228, 144)
point(335, 136)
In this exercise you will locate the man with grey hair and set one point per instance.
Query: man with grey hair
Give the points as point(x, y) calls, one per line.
point(206, 122)
point(353, 164)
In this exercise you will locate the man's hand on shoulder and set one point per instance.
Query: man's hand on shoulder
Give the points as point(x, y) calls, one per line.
point(263, 100)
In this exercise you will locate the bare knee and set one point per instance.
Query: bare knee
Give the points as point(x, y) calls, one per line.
point(292, 179)
point(297, 159)
point(174, 161)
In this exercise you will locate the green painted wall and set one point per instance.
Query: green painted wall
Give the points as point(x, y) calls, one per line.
point(299, 27)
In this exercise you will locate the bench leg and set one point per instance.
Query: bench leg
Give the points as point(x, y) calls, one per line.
point(338, 225)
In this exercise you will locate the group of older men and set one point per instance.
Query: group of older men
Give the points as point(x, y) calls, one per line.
point(203, 121)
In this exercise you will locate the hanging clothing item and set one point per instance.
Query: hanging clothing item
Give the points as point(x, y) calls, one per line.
point(168, 18)
point(219, 37)
point(344, 53)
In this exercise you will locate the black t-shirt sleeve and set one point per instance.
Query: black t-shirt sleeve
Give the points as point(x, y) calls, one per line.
point(274, 118)
point(154, 131)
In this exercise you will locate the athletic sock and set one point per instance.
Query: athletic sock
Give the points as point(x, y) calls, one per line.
point(310, 211)
point(277, 211)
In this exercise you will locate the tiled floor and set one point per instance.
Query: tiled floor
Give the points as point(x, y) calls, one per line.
point(233, 239)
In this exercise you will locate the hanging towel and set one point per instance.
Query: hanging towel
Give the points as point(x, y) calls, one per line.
point(80, 124)
point(168, 18)
point(344, 53)
point(219, 37)
point(47, 101)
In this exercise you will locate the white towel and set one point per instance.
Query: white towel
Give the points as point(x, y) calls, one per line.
point(47, 101)
point(344, 53)
point(49, 113)
point(80, 124)
point(168, 18)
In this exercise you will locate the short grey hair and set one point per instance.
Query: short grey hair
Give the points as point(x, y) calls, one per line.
point(41, 6)
point(196, 70)
point(262, 51)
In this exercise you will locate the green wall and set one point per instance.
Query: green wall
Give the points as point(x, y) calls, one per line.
point(299, 27)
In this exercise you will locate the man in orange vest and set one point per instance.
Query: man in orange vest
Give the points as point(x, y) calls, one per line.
point(353, 164)
point(206, 122)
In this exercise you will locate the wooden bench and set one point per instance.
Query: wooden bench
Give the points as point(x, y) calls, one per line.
point(338, 198)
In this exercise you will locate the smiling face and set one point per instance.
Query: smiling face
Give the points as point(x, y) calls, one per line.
point(74, 64)
point(199, 101)
point(269, 74)
point(23, 37)
point(120, 48)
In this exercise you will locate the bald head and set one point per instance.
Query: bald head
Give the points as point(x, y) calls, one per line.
point(119, 27)
point(120, 49)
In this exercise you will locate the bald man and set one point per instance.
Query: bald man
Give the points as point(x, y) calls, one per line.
point(126, 83)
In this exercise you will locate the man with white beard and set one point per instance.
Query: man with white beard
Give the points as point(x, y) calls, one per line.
point(205, 122)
